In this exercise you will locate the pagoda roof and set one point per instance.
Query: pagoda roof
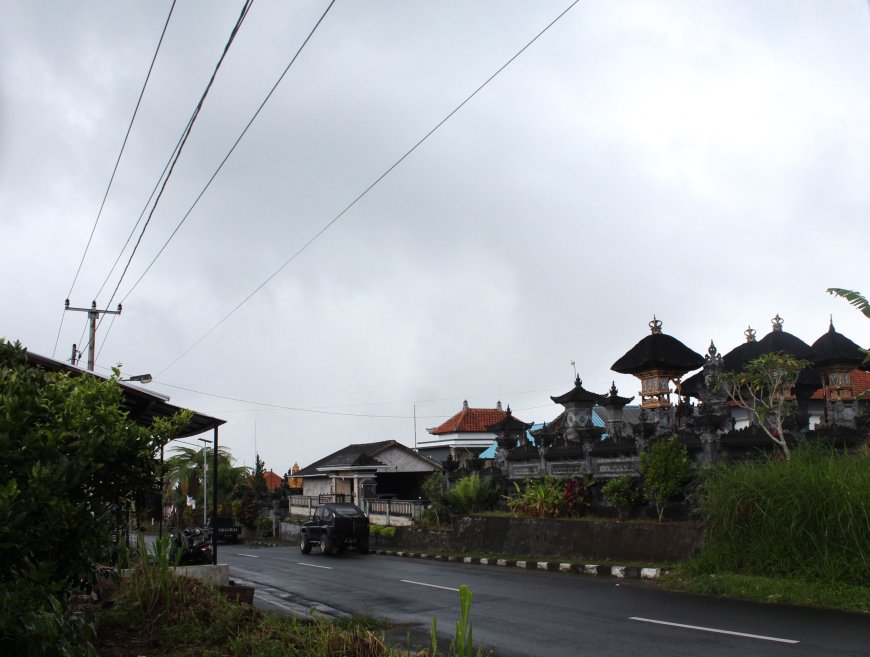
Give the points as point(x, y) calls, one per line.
point(835, 349)
point(470, 420)
point(578, 394)
point(658, 351)
point(613, 399)
point(509, 423)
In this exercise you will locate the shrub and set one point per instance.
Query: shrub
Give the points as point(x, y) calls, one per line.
point(665, 468)
point(388, 532)
point(807, 518)
point(539, 498)
point(72, 461)
point(621, 493)
point(471, 494)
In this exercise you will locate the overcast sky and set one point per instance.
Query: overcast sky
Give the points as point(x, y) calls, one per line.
point(703, 161)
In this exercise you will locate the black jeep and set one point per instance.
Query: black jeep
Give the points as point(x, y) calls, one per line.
point(336, 527)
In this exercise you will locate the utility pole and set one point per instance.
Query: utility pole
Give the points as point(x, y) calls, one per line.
point(74, 358)
point(205, 483)
point(93, 315)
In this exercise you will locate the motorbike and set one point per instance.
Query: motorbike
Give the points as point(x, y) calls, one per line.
point(189, 548)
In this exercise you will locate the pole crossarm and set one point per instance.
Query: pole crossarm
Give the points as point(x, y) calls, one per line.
point(93, 315)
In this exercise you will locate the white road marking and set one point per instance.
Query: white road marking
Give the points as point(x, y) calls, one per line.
point(277, 604)
point(252, 556)
point(314, 565)
point(434, 586)
point(715, 630)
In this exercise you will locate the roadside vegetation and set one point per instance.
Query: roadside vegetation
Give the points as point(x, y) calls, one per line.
point(793, 531)
point(156, 613)
point(72, 463)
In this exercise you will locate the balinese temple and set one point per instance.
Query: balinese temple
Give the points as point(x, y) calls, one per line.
point(658, 360)
point(603, 435)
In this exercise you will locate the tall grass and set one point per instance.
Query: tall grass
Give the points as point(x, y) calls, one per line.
point(806, 518)
point(157, 613)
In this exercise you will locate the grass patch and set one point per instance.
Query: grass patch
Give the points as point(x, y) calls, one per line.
point(807, 593)
point(804, 519)
point(153, 612)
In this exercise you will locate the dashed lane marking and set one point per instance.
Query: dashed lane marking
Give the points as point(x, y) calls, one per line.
point(314, 565)
point(434, 586)
point(714, 630)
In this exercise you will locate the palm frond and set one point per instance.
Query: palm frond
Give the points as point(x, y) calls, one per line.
point(855, 298)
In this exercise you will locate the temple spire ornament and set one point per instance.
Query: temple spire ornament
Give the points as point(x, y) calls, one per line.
point(777, 322)
point(750, 334)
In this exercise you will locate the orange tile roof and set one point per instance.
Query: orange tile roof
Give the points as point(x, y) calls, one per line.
point(273, 481)
point(470, 420)
point(860, 383)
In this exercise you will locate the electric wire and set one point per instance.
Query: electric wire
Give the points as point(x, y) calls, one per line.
point(230, 152)
point(180, 147)
point(320, 410)
point(115, 170)
point(335, 219)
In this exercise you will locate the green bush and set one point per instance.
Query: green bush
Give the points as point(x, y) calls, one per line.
point(551, 497)
point(622, 493)
point(807, 518)
point(73, 461)
point(374, 530)
point(665, 467)
point(471, 494)
point(388, 532)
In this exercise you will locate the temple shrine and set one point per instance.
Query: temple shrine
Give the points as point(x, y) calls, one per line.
point(602, 435)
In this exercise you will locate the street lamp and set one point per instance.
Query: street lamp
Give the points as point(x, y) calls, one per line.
point(139, 378)
point(205, 442)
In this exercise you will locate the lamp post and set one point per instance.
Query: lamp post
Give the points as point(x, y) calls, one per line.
point(139, 378)
point(205, 442)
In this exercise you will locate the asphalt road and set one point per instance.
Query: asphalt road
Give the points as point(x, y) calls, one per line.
point(540, 614)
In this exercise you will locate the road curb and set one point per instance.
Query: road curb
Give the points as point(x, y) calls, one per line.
point(595, 570)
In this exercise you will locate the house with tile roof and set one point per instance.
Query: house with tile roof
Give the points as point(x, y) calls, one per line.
point(464, 436)
point(368, 470)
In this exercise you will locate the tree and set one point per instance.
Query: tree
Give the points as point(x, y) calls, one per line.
point(184, 474)
point(71, 460)
point(258, 478)
point(855, 298)
point(764, 388)
point(665, 467)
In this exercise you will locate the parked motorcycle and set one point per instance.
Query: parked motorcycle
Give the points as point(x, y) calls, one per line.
point(189, 548)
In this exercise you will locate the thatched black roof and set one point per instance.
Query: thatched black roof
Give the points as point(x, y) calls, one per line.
point(835, 349)
point(658, 351)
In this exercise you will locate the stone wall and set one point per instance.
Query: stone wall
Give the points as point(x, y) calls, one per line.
point(569, 539)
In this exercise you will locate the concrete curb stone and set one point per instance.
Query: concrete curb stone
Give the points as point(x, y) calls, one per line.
point(595, 570)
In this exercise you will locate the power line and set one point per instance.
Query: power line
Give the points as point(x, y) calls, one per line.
point(329, 224)
point(185, 135)
point(176, 154)
point(115, 169)
point(319, 410)
point(230, 152)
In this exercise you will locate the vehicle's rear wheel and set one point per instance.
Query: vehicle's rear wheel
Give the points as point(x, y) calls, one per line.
point(325, 544)
point(305, 544)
